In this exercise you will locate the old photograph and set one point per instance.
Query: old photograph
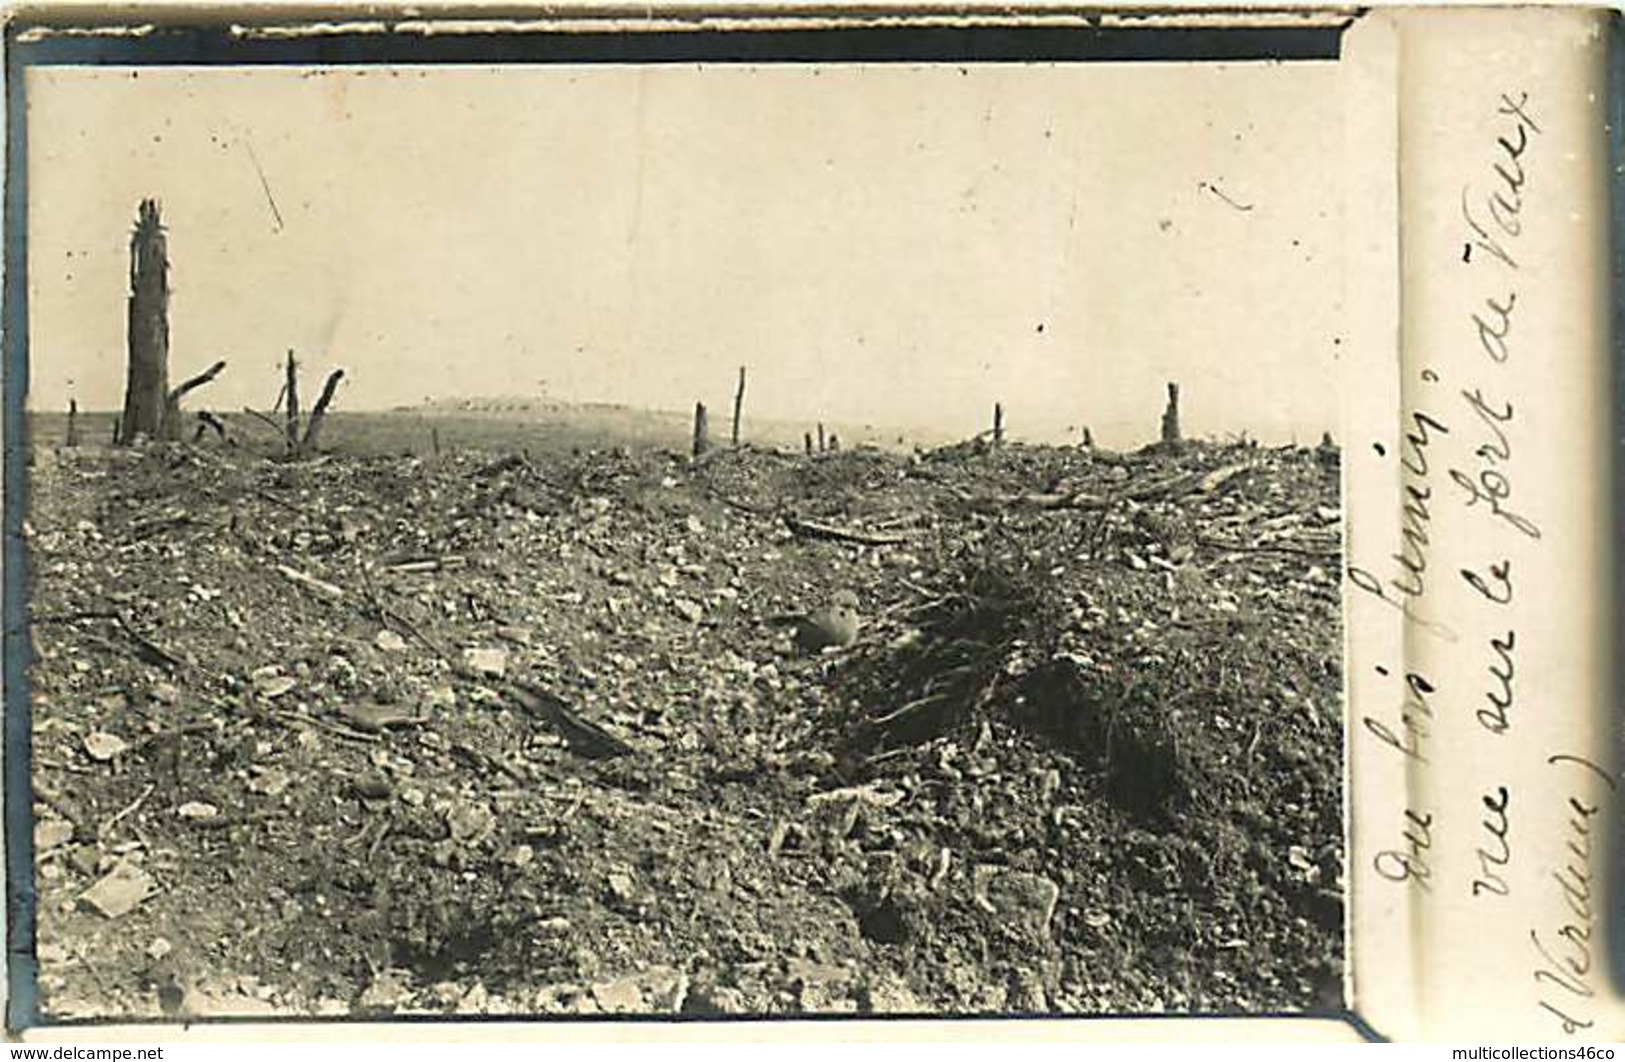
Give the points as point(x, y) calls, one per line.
point(843, 527)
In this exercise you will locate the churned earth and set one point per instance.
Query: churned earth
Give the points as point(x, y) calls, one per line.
point(490, 733)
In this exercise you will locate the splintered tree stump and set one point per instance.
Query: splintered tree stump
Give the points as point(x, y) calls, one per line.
point(1088, 439)
point(823, 444)
point(73, 423)
point(998, 424)
point(702, 430)
point(806, 441)
point(147, 329)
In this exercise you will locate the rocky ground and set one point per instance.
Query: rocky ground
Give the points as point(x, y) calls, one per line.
point(499, 734)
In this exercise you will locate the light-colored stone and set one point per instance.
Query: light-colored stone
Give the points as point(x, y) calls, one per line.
point(487, 661)
point(102, 746)
point(389, 641)
point(51, 833)
point(120, 891)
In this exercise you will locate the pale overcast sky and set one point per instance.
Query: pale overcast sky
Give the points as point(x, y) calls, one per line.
point(894, 244)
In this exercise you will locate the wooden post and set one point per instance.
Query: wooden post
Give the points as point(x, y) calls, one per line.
point(73, 423)
point(1170, 416)
point(822, 442)
point(702, 432)
point(291, 389)
point(1088, 439)
point(739, 404)
point(998, 425)
point(806, 440)
point(147, 328)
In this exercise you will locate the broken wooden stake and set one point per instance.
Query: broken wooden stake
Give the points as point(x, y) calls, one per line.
point(998, 424)
point(834, 442)
point(739, 404)
point(834, 533)
point(1170, 416)
point(314, 427)
point(822, 443)
point(73, 423)
point(702, 431)
point(1088, 439)
point(806, 440)
point(291, 389)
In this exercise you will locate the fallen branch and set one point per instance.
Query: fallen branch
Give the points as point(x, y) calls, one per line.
point(150, 650)
point(1078, 500)
point(489, 761)
point(321, 724)
point(1270, 547)
point(261, 492)
point(221, 822)
point(811, 529)
point(311, 583)
point(168, 735)
point(105, 830)
point(266, 417)
point(583, 737)
point(426, 564)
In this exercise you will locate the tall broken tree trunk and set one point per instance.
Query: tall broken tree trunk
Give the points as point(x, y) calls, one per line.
point(73, 423)
point(739, 405)
point(998, 424)
point(146, 390)
point(1170, 417)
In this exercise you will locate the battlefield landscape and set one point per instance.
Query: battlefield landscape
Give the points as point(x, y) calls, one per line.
point(897, 570)
point(512, 729)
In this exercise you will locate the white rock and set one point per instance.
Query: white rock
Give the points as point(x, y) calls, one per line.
point(102, 746)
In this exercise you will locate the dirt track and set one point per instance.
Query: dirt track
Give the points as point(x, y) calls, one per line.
point(1084, 757)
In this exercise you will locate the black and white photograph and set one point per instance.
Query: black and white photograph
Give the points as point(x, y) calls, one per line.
point(716, 524)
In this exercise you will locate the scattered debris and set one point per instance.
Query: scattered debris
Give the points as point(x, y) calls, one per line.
point(485, 722)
